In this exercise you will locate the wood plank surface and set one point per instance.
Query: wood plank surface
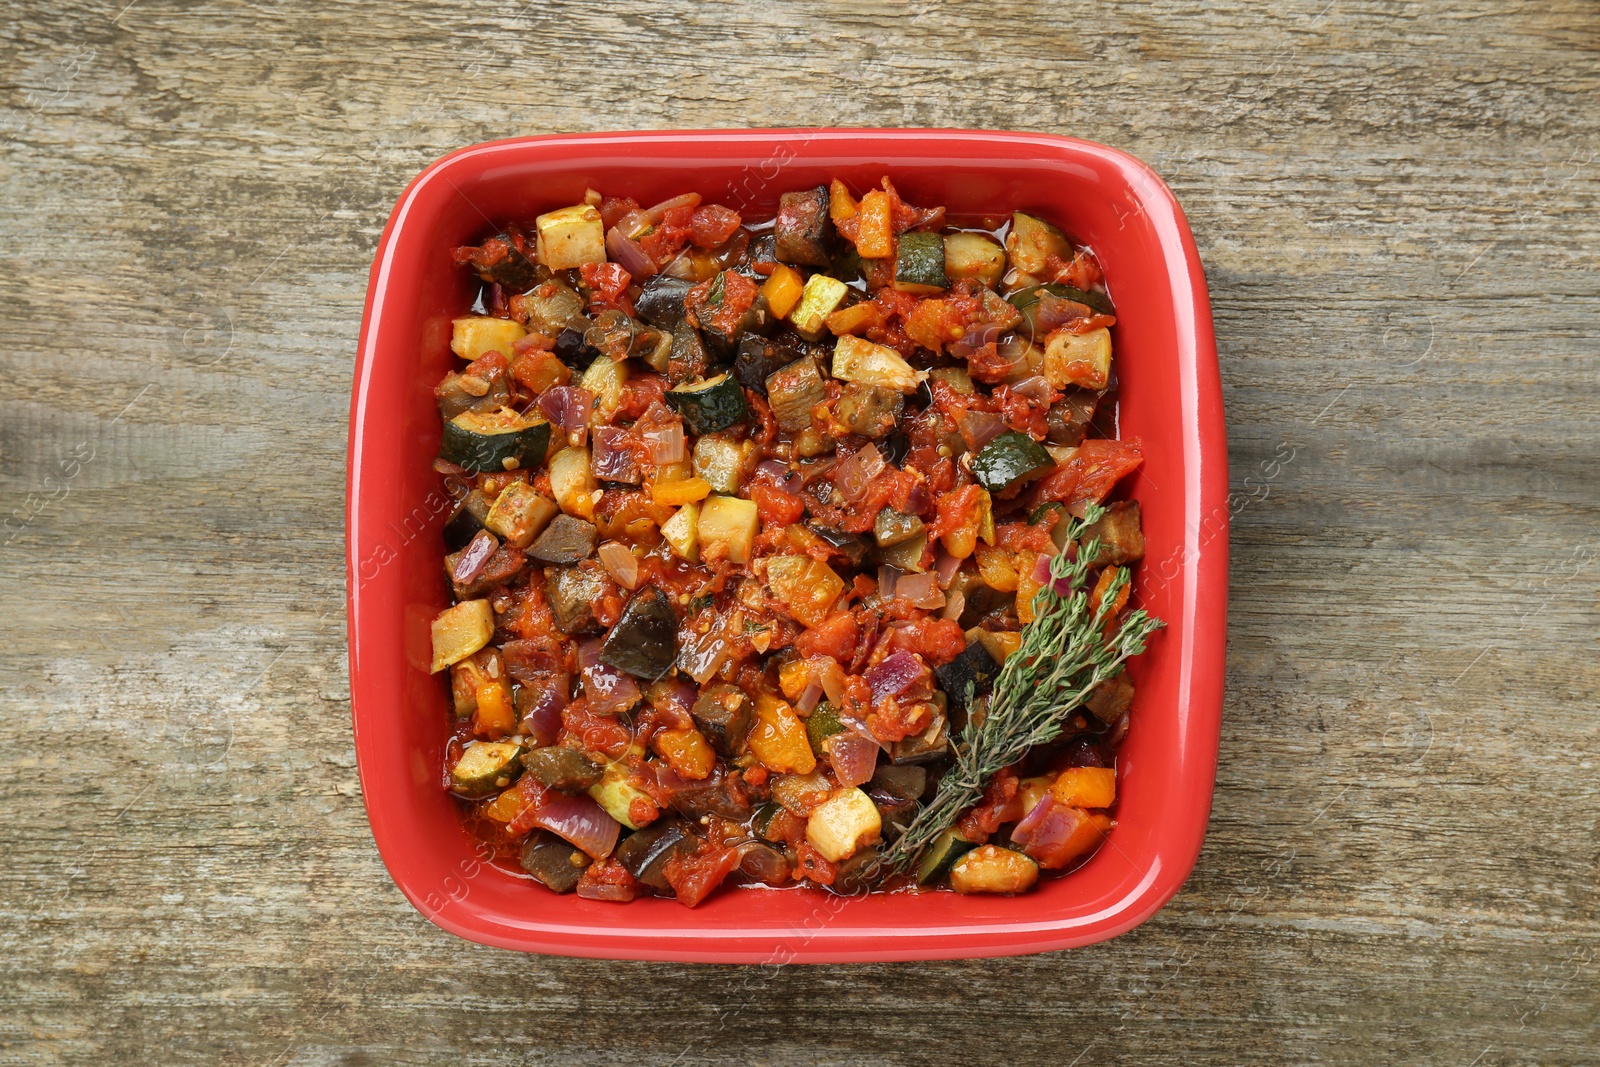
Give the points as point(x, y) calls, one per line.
point(1398, 206)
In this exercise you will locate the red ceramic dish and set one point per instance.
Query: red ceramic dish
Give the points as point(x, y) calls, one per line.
point(1170, 398)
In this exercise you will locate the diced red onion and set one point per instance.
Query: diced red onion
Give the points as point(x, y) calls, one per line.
point(922, 590)
point(852, 475)
point(888, 580)
point(1041, 569)
point(832, 679)
point(474, 557)
point(1052, 312)
point(978, 428)
point(609, 690)
point(568, 407)
point(702, 655)
point(667, 444)
point(543, 720)
point(793, 791)
point(628, 254)
point(854, 757)
point(1034, 388)
point(810, 697)
point(781, 477)
point(676, 693)
point(946, 568)
point(607, 891)
point(621, 564)
point(894, 675)
point(655, 214)
point(981, 334)
point(679, 266)
point(918, 500)
point(611, 459)
point(955, 605)
point(1046, 832)
point(581, 821)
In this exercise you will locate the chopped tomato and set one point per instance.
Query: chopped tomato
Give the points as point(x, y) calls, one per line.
point(938, 641)
point(669, 236)
point(776, 507)
point(720, 302)
point(1090, 474)
point(592, 732)
point(836, 636)
point(610, 284)
point(712, 224)
point(613, 210)
point(640, 391)
point(695, 874)
point(815, 866)
point(1000, 804)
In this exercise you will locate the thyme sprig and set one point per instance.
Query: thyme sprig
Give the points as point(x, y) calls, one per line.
point(1065, 653)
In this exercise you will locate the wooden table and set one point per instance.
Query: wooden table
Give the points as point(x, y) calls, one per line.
point(1399, 209)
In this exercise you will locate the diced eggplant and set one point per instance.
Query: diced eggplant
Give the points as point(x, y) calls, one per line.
point(1070, 416)
point(464, 392)
point(554, 863)
point(470, 513)
point(688, 360)
point(892, 528)
point(486, 767)
point(907, 555)
point(710, 796)
point(793, 391)
point(966, 678)
point(803, 230)
point(894, 812)
point(552, 307)
point(856, 874)
point(606, 378)
point(573, 593)
point(895, 447)
point(502, 260)
point(907, 783)
point(565, 769)
point(858, 360)
point(762, 253)
point(956, 378)
point(931, 744)
point(660, 301)
point(1109, 700)
point(724, 714)
point(653, 348)
point(1119, 533)
point(869, 410)
point(573, 347)
point(644, 642)
point(850, 545)
point(758, 358)
point(565, 540)
point(645, 852)
point(765, 864)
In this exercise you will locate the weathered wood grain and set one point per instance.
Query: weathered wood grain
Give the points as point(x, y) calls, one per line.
point(1397, 207)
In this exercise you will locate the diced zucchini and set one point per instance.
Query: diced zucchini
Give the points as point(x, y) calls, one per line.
point(682, 532)
point(906, 556)
point(727, 528)
point(711, 405)
point(801, 231)
point(859, 360)
point(808, 588)
point(475, 335)
point(1009, 459)
point(823, 724)
point(956, 378)
point(843, 823)
point(1030, 242)
point(494, 440)
point(520, 513)
point(460, 631)
point(616, 793)
point(992, 869)
point(919, 264)
point(1081, 359)
point(1026, 301)
point(939, 857)
point(778, 738)
point(892, 528)
point(605, 379)
point(820, 298)
point(974, 255)
point(486, 767)
point(793, 391)
point(571, 237)
point(720, 461)
point(1086, 787)
point(573, 482)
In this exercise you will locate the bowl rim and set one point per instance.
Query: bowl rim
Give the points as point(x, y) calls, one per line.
point(1204, 566)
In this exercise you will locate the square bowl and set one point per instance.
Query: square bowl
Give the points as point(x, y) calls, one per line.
point(1170, 398)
